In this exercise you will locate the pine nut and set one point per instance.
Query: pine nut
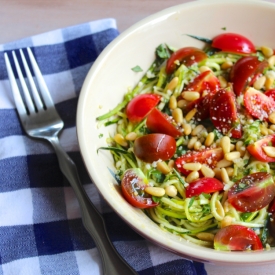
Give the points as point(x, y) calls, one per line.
point(225, 144)
point(232, 155)
point(224, 175)
point(205, 236)
point(118, 138)
point(190, 95)
point(219, 209)
point(163, 167)
point(192, 142)
point(197, 145)
point(173, 102)
point(173, 83)
point(269, 83)
point(272, 127)
point(224, 163)
point(171, 191)
point(267, 51)
point(226, 65)
point(171, 164)
point(177, 115)
point(131, 136)
point(240, 147)
point(190, 114)
point(223, 81)
point(193, 166)
point(271, 61)
point(270, 132)
point(187, 129)
point(271, 117)
point(232, 147)
point(182, 103)
point(230, 171)
point(204, 69)
point(227, 220)
point(155, 191)
point(207, 171)
point(209, 139)
point(217, 172)
point(269, 150)
point(263, 130)
point(259, 83)
point(197, 130)
point(192, 176)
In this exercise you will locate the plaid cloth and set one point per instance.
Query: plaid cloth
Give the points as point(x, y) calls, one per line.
point(41, 231)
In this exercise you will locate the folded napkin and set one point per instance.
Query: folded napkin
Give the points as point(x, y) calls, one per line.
point(41, 230)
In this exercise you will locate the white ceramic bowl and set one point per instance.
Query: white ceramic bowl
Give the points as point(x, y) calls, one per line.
point(111, 75)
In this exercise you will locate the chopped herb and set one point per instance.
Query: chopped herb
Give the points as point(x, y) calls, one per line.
point(162, 52)
point(116, 176)
point(206, 40)
point(224, 28)
point(137, 69)
point(155, 199)
point(100, 135)
point(115, 149)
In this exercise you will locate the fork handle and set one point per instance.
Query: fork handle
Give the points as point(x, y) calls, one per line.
point(112, 262)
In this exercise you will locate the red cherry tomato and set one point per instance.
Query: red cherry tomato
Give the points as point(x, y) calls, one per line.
point(237, 238)
point(252, 192)
point(186, 56)
point(153, 147)
point(132, 186)
point(209, 157)
point(258, 104)
point(223, 113)
point(203, 185)
point(244, 71)
point(234, 43)
point(270, 94)
point(140, 106)
point(256, 149)
point(158, 122)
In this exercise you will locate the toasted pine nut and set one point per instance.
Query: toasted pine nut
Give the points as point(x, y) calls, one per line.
point(226, 65)
point(270, 132)
point(271, 117)
point(269, 83)
point(204, 69)
point(190, 114)
point(155, 191)
point(240, 147)
point(118, 138)
point(269, 150)
point(205, 236)
point(227, 220)
point(190, 95)
point(225, 144)
point(131, 136)
point(173, 102)
point(194, 166)
point(182, 103)
point(224, 163)
point(171, 164)
point(232, 147)
point(197, 130)
point(259, 83)
point(272, 127)
point(232, 155)
point(177, 115)
point(197, 145)
point(263, 130)
point(171, 191)
point(207, 171)
point(271, 61)
point(267, 51)
point(173, 83)
point(230, 171)
point(187, 129)
point(192, 142)
point(224, 175)
point(209, 139)
point(217, 172)
point(223, 81)
point(192, 176)
point(163, 167)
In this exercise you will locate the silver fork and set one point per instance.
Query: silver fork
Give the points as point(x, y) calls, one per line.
point(40, 119)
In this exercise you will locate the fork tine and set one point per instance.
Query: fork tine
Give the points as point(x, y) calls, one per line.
point(41, 82)
point(25, 89)
point(16, 93)
point(35, 93)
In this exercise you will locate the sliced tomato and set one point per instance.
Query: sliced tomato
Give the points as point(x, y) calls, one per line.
point(234, 43)
point(223, 113)
point(153, 147)
point(158, 122)
point(140, 106)
point(133, 185)
point(270, 93)
point(244, 71)
point(207, 156)
point(256, 149)
point(253, 192)
point(237, 238)
point(271, 207)
point(258, 104)
point(203, 185)
point(186, 56)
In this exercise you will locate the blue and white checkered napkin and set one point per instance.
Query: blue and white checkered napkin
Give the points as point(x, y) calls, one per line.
point(41, 230)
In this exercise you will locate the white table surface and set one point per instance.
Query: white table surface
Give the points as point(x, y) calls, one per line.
point(22, 18)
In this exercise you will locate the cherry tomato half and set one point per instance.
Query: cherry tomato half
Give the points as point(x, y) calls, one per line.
point(158, 122)
point(256, 149)
point(209, 157)
point(270, 94)
point(258, 104)
point(153, 147)
point(186, 56)
point(132, 186)
point(223, 113)
point(203, 185)
point(234, 43)
point(253, 192)
point(237, 238)
point(244, 71)
point(140, 106)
